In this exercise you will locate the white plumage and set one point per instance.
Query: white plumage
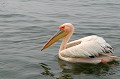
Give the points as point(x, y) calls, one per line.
point(90, 49)
point(90, 46)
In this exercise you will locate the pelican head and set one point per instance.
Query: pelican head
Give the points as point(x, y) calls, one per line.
point(64, 30)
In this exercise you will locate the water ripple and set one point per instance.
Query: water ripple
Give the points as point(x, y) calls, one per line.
point(25, 25)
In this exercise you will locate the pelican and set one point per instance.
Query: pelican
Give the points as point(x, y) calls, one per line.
point(90, 49)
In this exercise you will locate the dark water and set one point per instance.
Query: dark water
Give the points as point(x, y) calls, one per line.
point(26, 24)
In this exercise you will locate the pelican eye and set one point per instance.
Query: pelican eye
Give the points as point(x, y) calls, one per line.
point(62, 28)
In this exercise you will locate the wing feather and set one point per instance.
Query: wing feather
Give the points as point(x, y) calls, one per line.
point(86, 47)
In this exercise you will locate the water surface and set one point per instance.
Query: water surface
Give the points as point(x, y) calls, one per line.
point(26, 24)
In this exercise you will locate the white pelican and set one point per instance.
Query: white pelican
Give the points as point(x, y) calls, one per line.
point(90, 49)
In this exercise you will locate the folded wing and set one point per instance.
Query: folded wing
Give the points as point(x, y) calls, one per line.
point(90, 46)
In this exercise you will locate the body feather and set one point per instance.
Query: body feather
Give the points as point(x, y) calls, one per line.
point(87, 47)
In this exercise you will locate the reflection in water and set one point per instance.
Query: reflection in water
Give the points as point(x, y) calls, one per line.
point(85, 68)
point(70, 69)
point(46, 70)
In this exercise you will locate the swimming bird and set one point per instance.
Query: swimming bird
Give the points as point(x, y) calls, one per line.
point(90, 49)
